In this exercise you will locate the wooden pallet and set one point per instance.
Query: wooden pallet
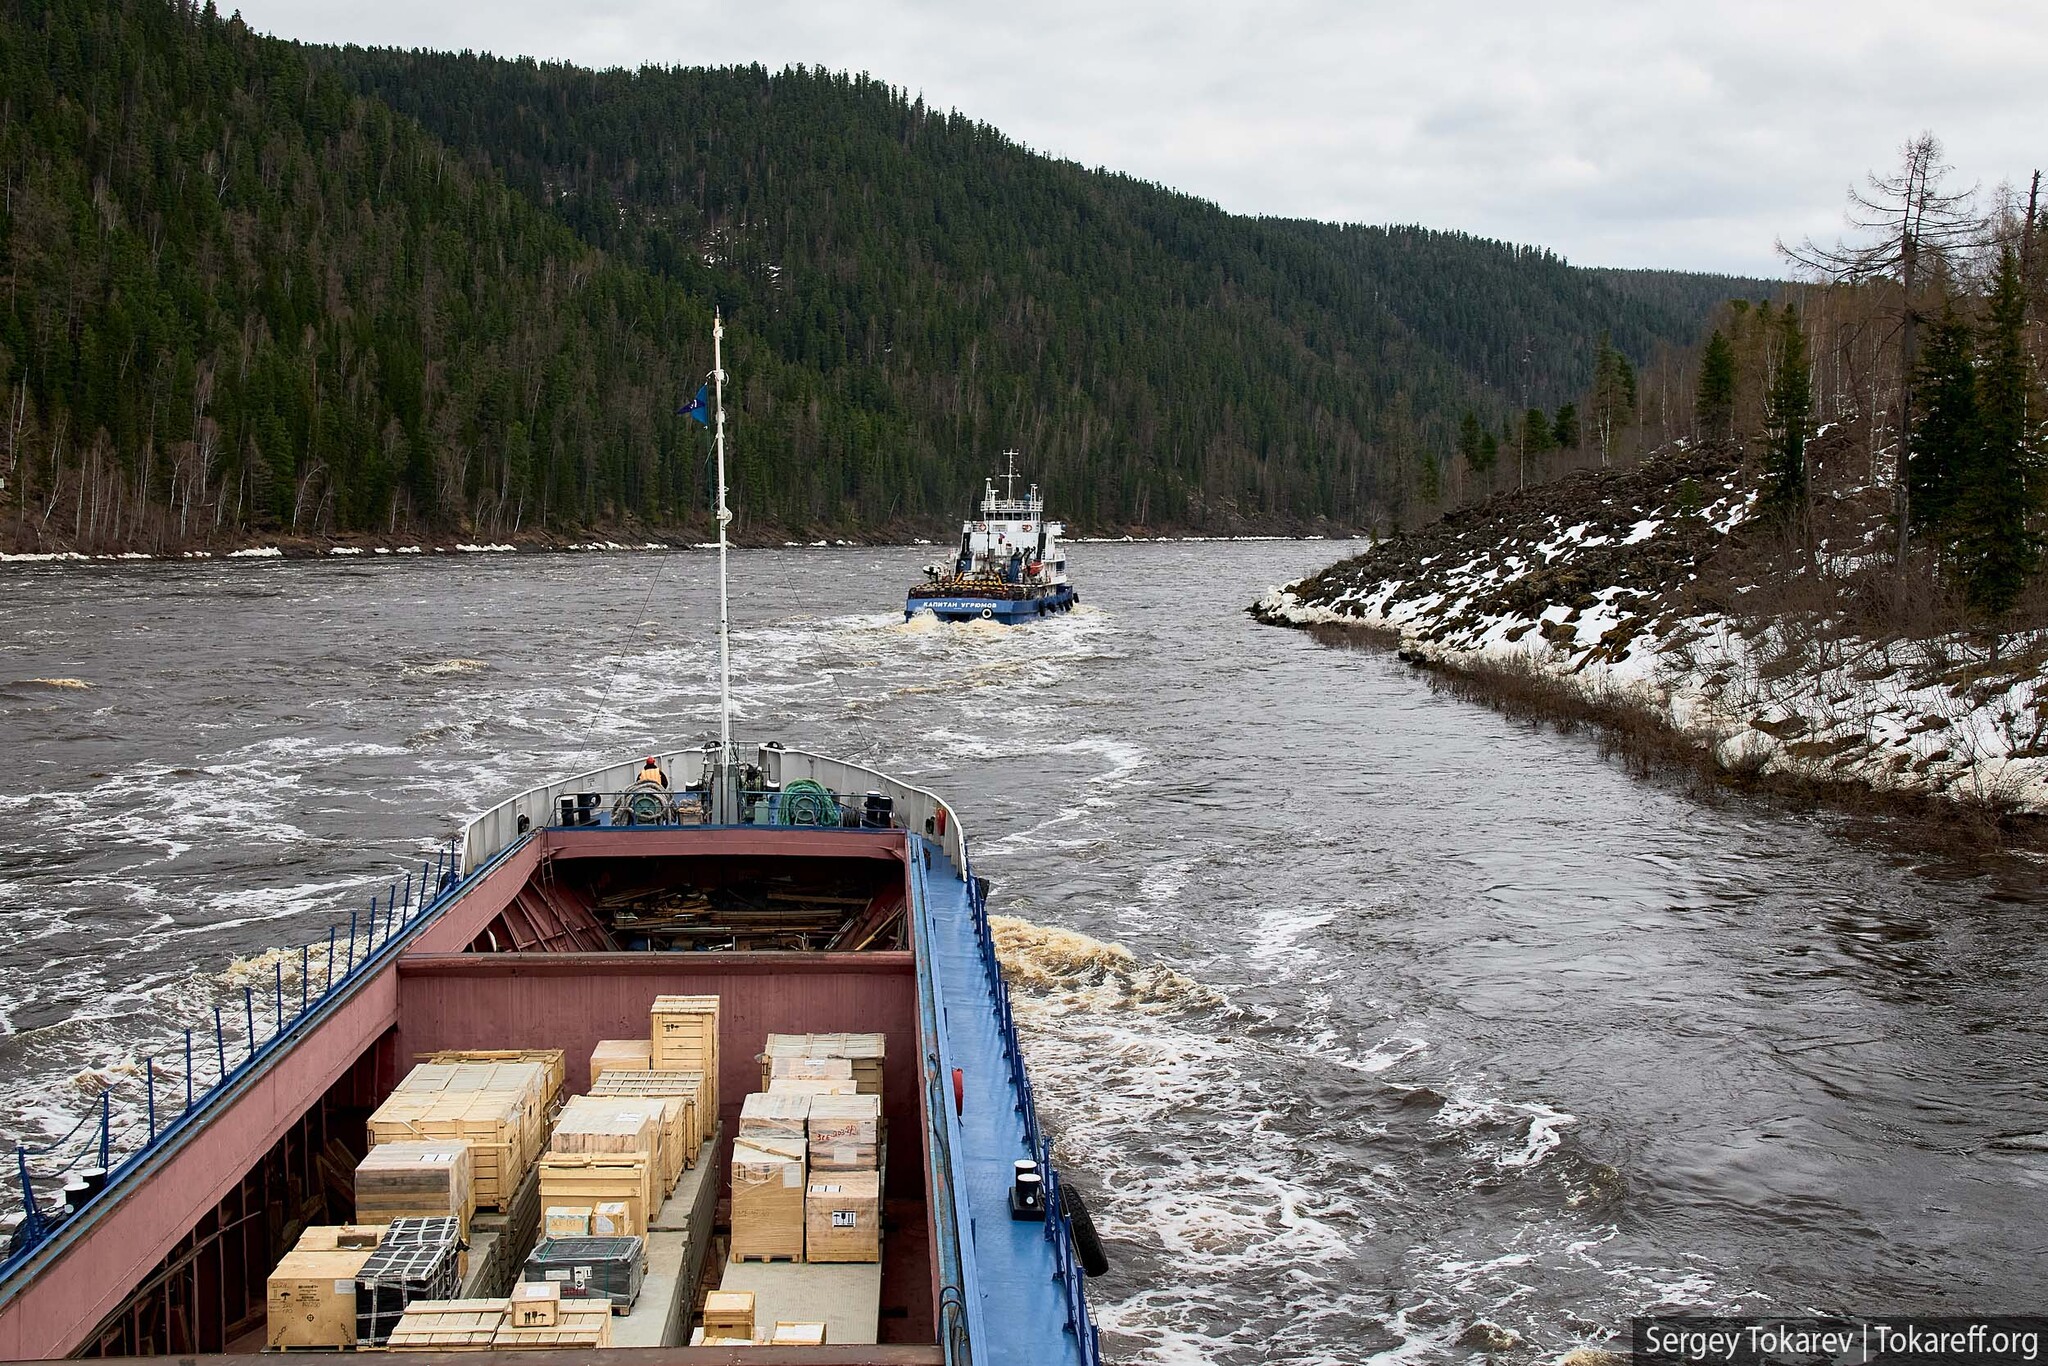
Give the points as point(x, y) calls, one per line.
point(766, 1257)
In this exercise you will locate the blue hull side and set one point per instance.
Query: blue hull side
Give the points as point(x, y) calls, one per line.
point(1008, 611)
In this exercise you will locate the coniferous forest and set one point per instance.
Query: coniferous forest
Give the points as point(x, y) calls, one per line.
point(259, 289)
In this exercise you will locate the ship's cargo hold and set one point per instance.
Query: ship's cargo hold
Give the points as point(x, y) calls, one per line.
point(729, 1314)
point(843, 1218)
point(620, 1055)
point(592, 1179)
point(813, 1086)
point(567, 1221)
point(789, 1334)
point(810, 1069)
point(865, 1052)
point(769, 1115)
point(447, 1326)
point(554, 1060)
point(685, 1039)
point(536, 1304)
point(423, 1178)
point(614, 1219)
point(768, 1199)
point(416, 1261)
point(501, 1108)
point(581, 1324)
point(590, 1268)
point(311, 1296)
point(684, 1130)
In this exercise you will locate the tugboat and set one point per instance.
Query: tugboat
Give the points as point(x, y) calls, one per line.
point(1011, 566)
point(799, 895)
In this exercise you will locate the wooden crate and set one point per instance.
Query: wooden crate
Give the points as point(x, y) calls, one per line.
point(788, 1334)
point(684, 1037)
point(499, 1126)
point(729, 1314)
point(448, 1326)
point(843, 1218)
point(565, 1221)
point(769, 1115)
point(614, 1219)
point(813, 1086)
point(327, 1237)
point(845, 1133)
point(311, 1297)
point(809, 1069)
point(620, 1055)
point(688, 1087)
point(397, 1179)
point(865, 1052)
point(621, 1125)
point(554, 1060)
point(767, 1199)
point(591, 1179)
point(535, 1304)
point(581, 1324)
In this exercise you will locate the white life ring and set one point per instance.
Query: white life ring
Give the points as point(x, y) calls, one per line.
point(987, 613)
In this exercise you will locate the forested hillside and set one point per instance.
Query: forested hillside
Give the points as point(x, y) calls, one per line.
point(253, 289)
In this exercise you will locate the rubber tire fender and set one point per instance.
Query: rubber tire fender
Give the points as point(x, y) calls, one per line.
point(1087, 1244)
point(987, 613)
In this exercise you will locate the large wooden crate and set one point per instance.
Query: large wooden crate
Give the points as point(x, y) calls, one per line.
point(311, 1297)
point(769, 1115)
point(427, 1178)
point(845, 1133)
point(448, 1326)
point(620, 1055)
point(684, 1038)
point(843, 1218)
point(686, 1089)
point(865, 1053)
point(767, 1199)
point(499, 1126)
point(730, 1314)
point(554, 1060)
point(617, 1124)
point(591, 1179)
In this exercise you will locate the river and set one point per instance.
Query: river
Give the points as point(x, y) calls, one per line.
point(1434, 1032)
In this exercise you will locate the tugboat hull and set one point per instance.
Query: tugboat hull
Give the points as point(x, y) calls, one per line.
point(1009, 611)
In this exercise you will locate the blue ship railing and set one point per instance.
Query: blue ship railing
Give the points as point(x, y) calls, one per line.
point(1058, 1228)
point(959, 1312)
point(363, 947)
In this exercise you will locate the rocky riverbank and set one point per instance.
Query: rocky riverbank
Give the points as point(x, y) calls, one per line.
point(1649, 599)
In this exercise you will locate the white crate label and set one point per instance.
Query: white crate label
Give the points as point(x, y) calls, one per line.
point(558, 1273)
point(582, 1278)
point(793, 1175)
point(344, 1287)
point(843, 1218)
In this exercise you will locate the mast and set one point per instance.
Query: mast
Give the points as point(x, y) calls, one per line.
point(725, 750)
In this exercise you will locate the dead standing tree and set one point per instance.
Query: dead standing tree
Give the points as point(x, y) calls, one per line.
point(1912, 227)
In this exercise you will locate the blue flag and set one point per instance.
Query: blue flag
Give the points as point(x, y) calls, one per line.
point(698, 406)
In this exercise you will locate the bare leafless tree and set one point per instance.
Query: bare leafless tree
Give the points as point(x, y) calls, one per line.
point(1910, 226)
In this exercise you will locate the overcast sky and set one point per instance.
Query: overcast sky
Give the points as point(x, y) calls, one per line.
point(1633, 134)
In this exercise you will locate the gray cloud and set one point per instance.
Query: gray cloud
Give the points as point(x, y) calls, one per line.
point(1636, 134)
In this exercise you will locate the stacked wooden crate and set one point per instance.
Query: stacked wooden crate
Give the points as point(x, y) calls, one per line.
point(684, 1032)
point(580, 1325)
point(555, 1060)
point(311, 1296)
point(448, 1326)
point(798, 1055)
point(684, 1097)
point(414, 1177)
point(620, 1055)
point(501, 1108)
point(729, 1316)
point(766, 1114)
point(843, 1217)
point(583, 1181)
point(844, 1133)
point(767, 1198)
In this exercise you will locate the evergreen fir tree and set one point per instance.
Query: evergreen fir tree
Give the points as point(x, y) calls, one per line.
point(1996, 546)
point(1788, 408)
point(1468, 439)
point(1714, 406)
point(1945, 436)
point(1536, 431)
point(1565, 431)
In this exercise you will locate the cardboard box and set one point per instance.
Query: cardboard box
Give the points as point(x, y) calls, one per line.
point(843, 1218)
point(414, 1177)
point(620, 1055)
point(567, 1221)
point(311, 1297)
point(729, 1314)
point(768, 1199)
point(535, 1304)
point(789, 1334)
point(614, 1219)
point(768, 1115)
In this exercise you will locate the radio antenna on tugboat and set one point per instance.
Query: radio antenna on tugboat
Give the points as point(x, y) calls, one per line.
point(725, 750)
